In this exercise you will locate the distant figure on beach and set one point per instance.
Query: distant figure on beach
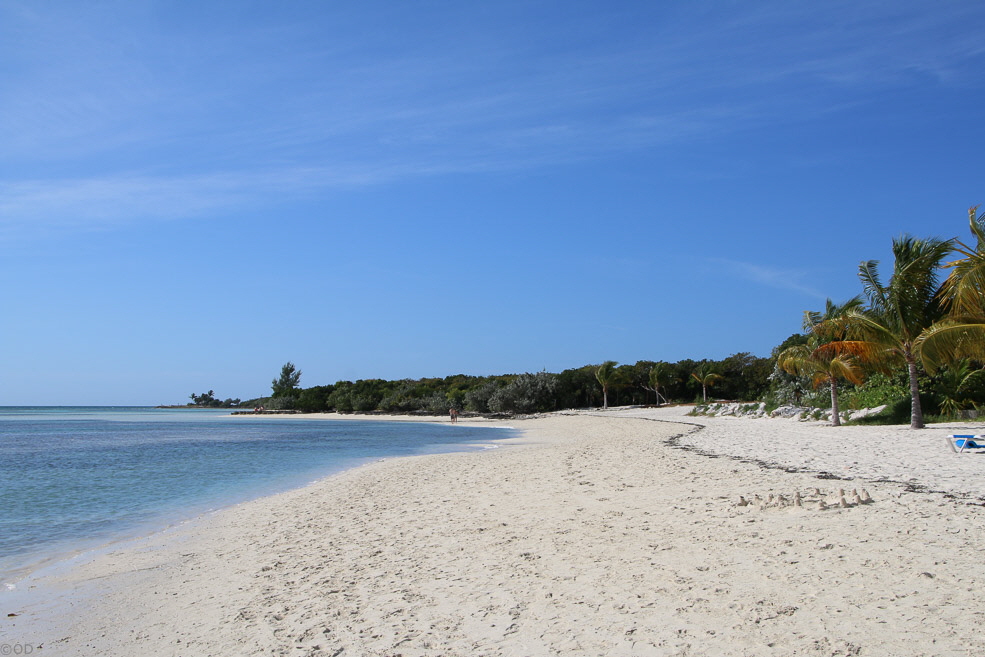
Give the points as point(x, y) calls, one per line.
point(454, 415)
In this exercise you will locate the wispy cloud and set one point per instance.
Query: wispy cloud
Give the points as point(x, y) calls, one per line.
point(781, 279)
point(664, 79)
point(262, 109)
point(43, 206)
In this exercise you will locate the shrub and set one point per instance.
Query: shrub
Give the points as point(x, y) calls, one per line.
point(527, 393)
point(878, 389)
point(435, 404)
point(477, 399)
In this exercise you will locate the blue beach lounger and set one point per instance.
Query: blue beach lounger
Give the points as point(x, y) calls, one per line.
point(960, 442)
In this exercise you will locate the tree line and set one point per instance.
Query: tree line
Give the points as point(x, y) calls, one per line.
point(209, 400)
point(741, 376)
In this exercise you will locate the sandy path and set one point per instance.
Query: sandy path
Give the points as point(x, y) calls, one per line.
point(599, 540)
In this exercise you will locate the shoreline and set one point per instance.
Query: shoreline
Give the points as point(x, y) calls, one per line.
point(597, 537)
point(854, 451)
point(63, 588)
point(62, 557)
point(382, 417)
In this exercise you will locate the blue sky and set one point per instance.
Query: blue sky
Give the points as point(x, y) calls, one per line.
point(192, 195)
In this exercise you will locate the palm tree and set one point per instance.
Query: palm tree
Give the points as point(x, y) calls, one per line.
point(962, 333)
point(660, 374)
point(821, 366)
point(826, 357)
point(903, 310)
point(604, 375)
point(706, 376)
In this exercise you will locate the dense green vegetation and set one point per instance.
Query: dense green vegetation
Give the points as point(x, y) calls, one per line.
point(743, 377)
point(916, 344)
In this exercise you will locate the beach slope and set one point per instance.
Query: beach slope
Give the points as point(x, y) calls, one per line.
point(598, 537)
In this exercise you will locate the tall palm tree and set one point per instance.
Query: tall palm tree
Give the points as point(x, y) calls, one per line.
point(706, 376)
point(962, 333)
point(605, 374)
point(901, 311)
point(827, 357)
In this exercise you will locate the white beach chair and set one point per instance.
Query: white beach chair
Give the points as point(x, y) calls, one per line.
point(960, 442)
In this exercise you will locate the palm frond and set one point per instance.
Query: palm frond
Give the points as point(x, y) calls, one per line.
point(811, 319)
point(605, 372)
point(845, 367)
point(861, 350)
point(824, 324)
point(797, 360)
point(820, 364)
point(819, 379)
point(868, 273)
point(964, 289)
point(949, 341)
point(869, 326)
point(706, 378)
point(963, 292)
point(977, 226)
point(913, 291)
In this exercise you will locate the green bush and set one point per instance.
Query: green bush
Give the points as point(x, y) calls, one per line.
point(313, 399)
point(477, 399)
point(527, 393)
point(436, 404)
point(877, 390)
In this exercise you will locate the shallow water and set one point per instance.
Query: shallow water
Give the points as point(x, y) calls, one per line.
point(73, 478)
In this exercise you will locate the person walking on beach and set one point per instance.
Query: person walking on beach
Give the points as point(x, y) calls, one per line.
point(453, 412)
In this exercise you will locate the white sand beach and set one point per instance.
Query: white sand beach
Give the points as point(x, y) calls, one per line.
point(607, 533)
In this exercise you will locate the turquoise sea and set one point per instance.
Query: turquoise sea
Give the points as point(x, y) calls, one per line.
point(74, 478)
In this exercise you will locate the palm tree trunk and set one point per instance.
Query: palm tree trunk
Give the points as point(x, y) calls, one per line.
point(605, 397)
point(704, 393)
point(835, 415)
point(916, 412)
